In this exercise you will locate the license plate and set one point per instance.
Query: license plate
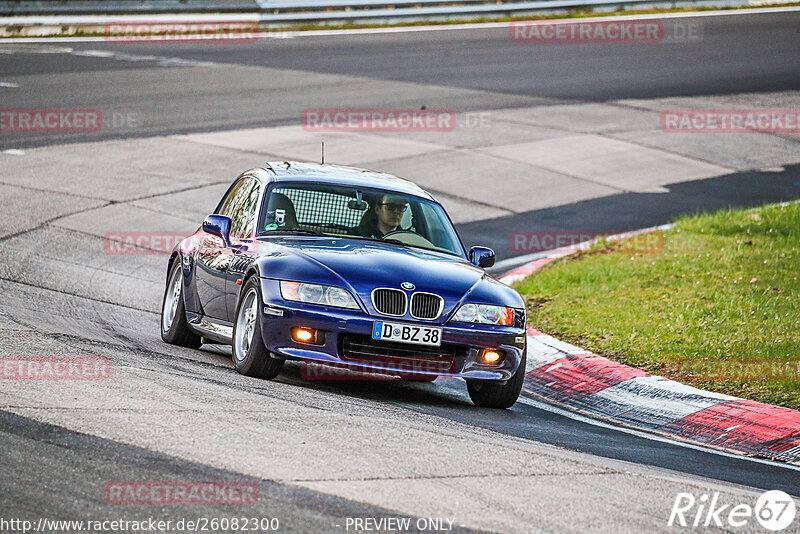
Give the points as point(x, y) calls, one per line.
point(407, 333)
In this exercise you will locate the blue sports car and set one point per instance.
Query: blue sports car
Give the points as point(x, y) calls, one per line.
point(345, 267)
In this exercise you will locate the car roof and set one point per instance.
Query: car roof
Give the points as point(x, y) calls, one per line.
point(295, 171)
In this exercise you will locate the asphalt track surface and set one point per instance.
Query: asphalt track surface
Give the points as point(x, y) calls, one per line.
point(737, 54)
point(58, 448)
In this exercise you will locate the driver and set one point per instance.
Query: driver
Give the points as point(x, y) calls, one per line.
point(383, 217)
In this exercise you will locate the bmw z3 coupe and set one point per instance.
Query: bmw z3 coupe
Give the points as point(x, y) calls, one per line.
point(345, 267)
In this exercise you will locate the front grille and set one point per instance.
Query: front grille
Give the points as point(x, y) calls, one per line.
point(389, 301)
point(426, 305)
point(402, 356)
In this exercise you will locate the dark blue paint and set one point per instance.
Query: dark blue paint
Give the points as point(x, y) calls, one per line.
point(220, 226)
point(214, 261)
point(481, 257)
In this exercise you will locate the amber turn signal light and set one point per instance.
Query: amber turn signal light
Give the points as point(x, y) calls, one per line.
point(301, 334)
point(492, 356)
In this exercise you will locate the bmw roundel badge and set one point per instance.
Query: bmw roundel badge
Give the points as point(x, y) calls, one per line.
point(407, 285)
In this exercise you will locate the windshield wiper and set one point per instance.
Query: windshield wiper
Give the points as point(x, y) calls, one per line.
point(378, 240)
point(406, 245)
point(297, 231)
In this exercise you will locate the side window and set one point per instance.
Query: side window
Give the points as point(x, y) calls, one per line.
point(408, 218)
point(227, 202)
point(243, 208)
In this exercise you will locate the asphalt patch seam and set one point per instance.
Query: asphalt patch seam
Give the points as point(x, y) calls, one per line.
point(51, 191)
point(62, 292)
point(46, 223)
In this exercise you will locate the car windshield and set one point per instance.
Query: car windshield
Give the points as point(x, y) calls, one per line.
point(359, 213)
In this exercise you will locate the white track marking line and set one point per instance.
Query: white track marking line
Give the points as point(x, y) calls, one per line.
point(647, 435)
point(161, 61)
point(443, 27)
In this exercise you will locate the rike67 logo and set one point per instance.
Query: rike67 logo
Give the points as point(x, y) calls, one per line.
point(773, 510)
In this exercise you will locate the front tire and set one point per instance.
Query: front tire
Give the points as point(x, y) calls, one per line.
point(250, 356)
point(174, 327)
point(488, 394)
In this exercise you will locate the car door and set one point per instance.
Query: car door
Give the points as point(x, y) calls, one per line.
point(213, 262)
point(243, 217)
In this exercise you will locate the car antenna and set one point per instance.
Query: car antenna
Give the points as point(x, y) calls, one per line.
point(323, 154)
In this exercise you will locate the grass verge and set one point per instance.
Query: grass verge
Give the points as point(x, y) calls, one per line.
point(717, 307)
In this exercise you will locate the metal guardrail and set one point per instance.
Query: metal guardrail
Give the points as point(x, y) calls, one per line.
point(75, 7)
point(506, 8)
point(439, 9)
point(93, 12)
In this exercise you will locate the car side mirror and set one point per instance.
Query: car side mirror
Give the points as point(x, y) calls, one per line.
point(220, 226)
point(481, 256)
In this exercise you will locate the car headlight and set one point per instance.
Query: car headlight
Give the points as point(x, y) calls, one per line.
point(485, 314)
point(318, 294)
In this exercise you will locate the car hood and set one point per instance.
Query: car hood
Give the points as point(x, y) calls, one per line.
point(362, 266)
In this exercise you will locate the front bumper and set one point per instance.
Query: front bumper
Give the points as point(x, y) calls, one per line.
point(339, 325)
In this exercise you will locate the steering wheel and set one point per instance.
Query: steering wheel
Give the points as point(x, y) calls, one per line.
point(408, 237)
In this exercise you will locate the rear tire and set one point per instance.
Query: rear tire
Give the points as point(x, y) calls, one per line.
point(488, 394)
point(174, 327)
point(250, 356)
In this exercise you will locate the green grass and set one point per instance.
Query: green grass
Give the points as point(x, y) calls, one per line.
point(722, 292)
